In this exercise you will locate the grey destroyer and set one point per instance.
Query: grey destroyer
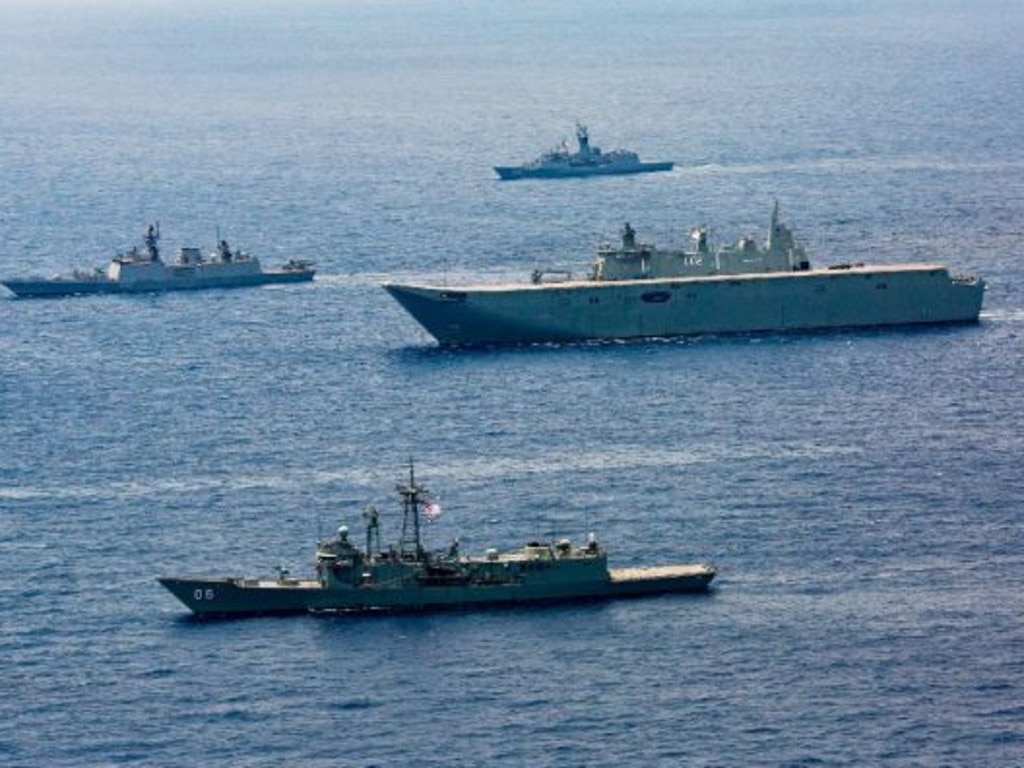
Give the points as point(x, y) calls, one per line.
point(407, 577)
point(145, 271)
point(637, 290)
point(588, 160)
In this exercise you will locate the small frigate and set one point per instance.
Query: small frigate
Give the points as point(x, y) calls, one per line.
point(636, 290)
point(407, 577)
point(560, 163)
point(146, 272)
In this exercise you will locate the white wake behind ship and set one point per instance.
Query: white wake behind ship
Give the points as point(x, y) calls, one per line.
point(146, 272)
point(636, 290)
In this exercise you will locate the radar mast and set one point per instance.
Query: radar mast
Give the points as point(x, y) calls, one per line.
point(410, 545)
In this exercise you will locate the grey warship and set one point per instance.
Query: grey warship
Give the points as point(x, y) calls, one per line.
point(407, 577)
point(588, 160)
point(145, 271)
point(636, 290)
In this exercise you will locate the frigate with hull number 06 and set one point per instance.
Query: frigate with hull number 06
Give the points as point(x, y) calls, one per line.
point(407, 577)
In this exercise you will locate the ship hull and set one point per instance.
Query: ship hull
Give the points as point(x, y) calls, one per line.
point(227, 597)
point(859, 296)
point(510, 173)
point(38, 289)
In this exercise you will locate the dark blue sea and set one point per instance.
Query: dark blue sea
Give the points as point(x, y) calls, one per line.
point(861, 492)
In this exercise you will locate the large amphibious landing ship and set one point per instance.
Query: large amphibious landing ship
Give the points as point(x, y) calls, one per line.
point(146, 271)
point(406, 577)
point(637, 290)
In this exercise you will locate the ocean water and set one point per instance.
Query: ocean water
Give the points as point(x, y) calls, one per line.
point(860, 491)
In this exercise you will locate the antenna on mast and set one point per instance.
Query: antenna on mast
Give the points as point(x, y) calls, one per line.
point(372, 532)
point(410, 545)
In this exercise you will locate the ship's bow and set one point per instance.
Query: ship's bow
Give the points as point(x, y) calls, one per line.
point(438, 310)
point(507, 173)
point(227, 596)
point(197, 595)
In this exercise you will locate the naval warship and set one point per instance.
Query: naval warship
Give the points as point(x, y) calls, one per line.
point(636, 290)
point(146, 272)
point(407, 577)
point(560, 163)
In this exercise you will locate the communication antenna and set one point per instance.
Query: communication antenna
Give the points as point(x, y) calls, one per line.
point(410, 546)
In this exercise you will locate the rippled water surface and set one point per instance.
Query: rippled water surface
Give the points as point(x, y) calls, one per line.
point(860, 492)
